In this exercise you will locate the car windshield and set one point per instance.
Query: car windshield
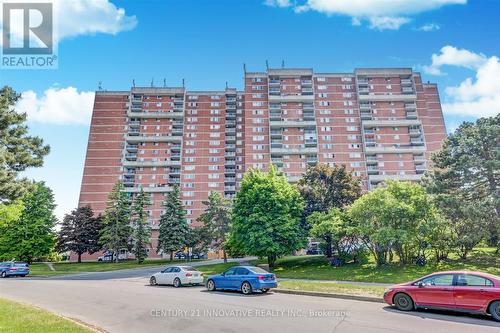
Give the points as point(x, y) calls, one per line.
point(258, 270)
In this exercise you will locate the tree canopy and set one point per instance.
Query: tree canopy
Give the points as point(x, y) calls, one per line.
point(266, 216)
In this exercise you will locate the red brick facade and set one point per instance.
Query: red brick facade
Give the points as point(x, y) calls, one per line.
point(381, 123)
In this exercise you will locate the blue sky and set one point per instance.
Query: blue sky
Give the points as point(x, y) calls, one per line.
point(206, 43)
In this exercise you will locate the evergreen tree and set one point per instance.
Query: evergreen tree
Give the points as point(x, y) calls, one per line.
point(216, 220)
point(116, 232)
point(18, 150)
point(173, 228)
point(79, 232)
point(31, 236)
point(142, 231)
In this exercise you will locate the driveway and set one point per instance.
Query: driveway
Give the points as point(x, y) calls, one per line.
point(124, 302)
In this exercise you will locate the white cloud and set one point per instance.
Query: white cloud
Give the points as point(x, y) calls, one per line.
point(429, 27)
point(473, 97)
point(387, 22)
point(88, 17)
point(453, 56)
point(381, 14)
point(61, 106)
point(278, 3)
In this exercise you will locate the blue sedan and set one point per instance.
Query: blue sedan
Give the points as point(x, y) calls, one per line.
point(244, 278)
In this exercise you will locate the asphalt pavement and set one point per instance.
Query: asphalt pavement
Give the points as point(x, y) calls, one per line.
point(122, 302)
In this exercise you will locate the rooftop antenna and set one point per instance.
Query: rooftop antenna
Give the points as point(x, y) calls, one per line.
point(282, 63)
point(226, 85)
point(267, 65)
point(133, 83)
point(183, 83)
point(244, 68)
point(164, 82)
point(152, 82)
point(99, 85)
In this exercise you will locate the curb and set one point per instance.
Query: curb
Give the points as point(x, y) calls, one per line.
point(330, 295)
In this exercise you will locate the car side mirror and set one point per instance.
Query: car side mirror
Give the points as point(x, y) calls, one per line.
point(420, 285)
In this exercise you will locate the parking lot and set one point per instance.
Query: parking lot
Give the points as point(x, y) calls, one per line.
point(124, 302)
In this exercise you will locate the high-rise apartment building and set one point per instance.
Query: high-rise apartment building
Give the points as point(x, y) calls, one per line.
point(381, 123)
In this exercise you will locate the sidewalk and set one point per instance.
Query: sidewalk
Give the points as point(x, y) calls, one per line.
point(355, 283)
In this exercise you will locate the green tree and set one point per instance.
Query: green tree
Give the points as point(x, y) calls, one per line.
point(335, 228)
point(401, 217)
point(142, 231)
point(116, 231)
point(18, 150)
point(216, 220)
point(32, 235)
point(266, 216)
point(173, 229)
point(79, 232)
point(464, 182)
point(324, 188)
point(197, 239)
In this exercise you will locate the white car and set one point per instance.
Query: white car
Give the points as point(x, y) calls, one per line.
point(177, 276)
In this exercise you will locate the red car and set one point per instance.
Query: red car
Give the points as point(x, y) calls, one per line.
point(472, 292)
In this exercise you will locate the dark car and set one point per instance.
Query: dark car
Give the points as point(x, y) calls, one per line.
point(11, 268)
point(247, 279)
point(473, 292)
point(180, 255)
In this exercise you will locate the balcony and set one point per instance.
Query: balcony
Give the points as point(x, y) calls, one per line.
point(291, 123)
point(231, 106)
point(131, 157)
point(365, 107)
point(140, 164)
point(406, 82)
point(273, 82)
point(128, 181)
point(308, 115)
point(230, 138)
point(407, 90)
point(276, 134)
point(381, 178)
point(366, 115)
point(163, 114)
point(388, 98)
point(363, 90)
point(276, 145)
point(275, 116)
point(230, 188)
point(311, 142)
point(230, 163)
point(175, 148)
point(136, 100)
point(390, 123)
point(134, 123)
point(294, 150)
point(160, 188)
point(417, 142)
point(306, 82)
point(152, 138)
point(230, 130)
point(277, 161)
point(291, 98)
point(230, 147)
point(395, 149)
point(229, 179)
point(307, 91)
point(419, 159)
point(308, 107)
point(371, 159)
point(176, 131)
point(411, 115)
point(230, 154)
point(370, 143)
point(410, 106)
point(372, 170)
point(133, 131)
point(131, 148)
point(311, 160)
point(230, 116)
point(275, 107)
point(362, 81)
point(177, 123)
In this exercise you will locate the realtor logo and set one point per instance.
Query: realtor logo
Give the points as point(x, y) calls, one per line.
point(28, 35)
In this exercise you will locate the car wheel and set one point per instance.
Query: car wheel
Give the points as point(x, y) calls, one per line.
point(403, 302)
point(211, 285)
point(495, 310)
point(265, 290)
point(4, 274)
point(152, 281)
point(177, 283)
point(246, 288)
point(99, 259)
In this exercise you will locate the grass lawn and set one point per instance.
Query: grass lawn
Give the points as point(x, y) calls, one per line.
point(317, 268)
point(39, 269)
point(334, 288)
point(19, 318)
